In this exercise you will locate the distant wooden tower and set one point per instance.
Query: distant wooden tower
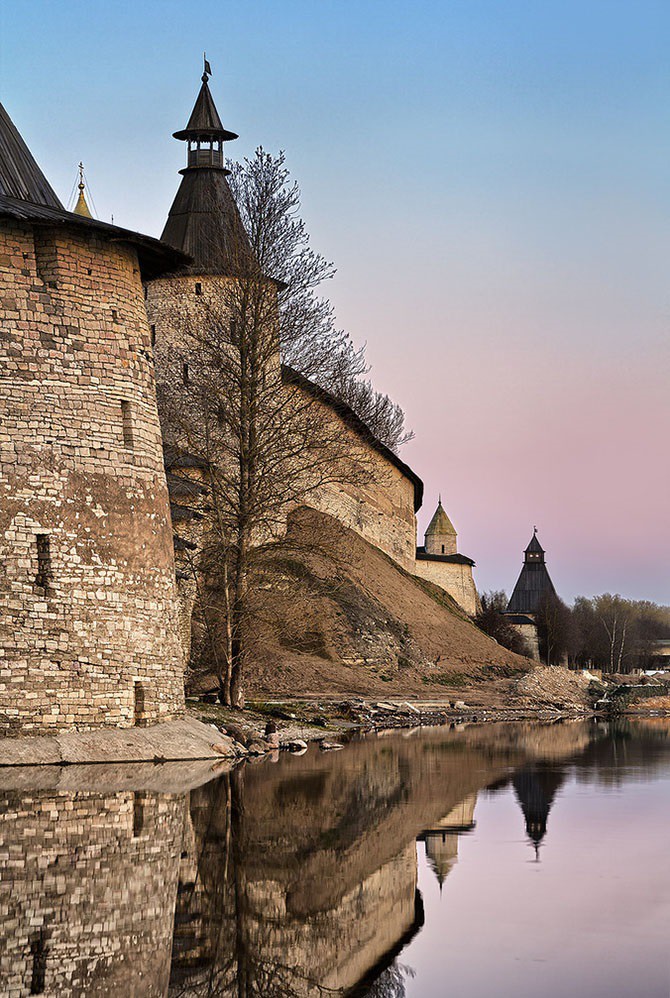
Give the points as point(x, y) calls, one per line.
point(534, 583)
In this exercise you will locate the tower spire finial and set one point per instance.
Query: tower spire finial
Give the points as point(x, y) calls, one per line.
point(207, 69)
point(81, 208)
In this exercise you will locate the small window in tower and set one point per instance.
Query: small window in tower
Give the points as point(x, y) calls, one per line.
point(44, 570)
point(38, 952)
point(139, 800)
point(198, 288)
point(443, 549)
point(139, 705)
point(153, 336)
point(127, 422)
point(185, 373)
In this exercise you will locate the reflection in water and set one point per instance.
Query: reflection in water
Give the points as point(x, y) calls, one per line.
point(291, 879)
point(536, 787)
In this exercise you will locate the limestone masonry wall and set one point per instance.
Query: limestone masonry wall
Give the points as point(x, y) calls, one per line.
point(88, 884)
point(88, 627)
point(379, 506)
point(455, 579)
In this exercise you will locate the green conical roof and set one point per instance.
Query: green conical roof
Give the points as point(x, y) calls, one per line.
point(440, 524)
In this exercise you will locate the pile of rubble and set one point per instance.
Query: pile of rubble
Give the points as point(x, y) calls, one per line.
point(553, 687)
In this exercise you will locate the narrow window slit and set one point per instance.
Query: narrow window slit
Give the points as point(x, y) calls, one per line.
point(185, 373)
point(138, 814)
point(139, 705)
point(44, 570)
point(127, 422)
point(38, 951)
point(153, 336)
point(198, 288)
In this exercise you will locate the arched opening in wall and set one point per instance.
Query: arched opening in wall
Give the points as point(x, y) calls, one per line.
point(139, 705)
point(38, 950)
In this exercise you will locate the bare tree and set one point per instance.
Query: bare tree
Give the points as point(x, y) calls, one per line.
point(268, 447)
point(492, 620)
point(554, 629)
point(269, 204)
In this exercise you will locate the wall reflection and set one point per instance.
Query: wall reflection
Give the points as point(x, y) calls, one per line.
point(291, 879)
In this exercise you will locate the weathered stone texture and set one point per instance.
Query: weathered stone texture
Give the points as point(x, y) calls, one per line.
point(455, 579)
point(88, 632)
point(87, 892)
point(378, 503)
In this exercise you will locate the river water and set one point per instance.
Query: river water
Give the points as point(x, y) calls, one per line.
point(517, 859)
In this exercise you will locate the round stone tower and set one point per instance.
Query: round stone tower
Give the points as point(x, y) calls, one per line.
point(88, 631)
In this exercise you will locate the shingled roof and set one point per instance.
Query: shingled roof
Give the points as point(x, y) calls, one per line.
point(204, 220)
point(205, 121)
point(20, 176)
point(440, 523)
point(205, 224)
point(534, 581)
point(26, 196)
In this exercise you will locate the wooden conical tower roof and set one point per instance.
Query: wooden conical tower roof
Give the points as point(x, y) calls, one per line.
point(204, 220)
point(20, 176)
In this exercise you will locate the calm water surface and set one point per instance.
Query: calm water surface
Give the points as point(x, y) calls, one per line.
point(498, 860)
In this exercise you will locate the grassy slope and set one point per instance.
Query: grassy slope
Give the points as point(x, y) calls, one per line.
point(354, 623)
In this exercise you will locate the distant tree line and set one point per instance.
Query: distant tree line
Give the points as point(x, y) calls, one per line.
point(606, 632)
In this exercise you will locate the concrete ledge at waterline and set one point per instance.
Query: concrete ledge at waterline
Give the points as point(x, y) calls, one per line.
point(115, 777)
point(173, 741)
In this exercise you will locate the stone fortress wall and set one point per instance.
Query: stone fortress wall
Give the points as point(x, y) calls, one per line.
point(87, 588)
point(88, 884)
point(455, 578)
point(379, 503)
point(379, 506)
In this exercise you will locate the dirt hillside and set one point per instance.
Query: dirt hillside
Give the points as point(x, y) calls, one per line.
point(354, 623)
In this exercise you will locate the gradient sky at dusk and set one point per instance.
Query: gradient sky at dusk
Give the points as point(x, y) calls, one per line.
point(491, 180)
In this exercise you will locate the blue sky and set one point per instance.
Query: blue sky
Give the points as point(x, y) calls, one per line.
point(491, 180)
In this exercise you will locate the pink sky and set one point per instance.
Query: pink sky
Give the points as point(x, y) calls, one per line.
point(491, 181)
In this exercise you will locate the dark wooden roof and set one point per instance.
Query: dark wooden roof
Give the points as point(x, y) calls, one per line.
point(534, 545)
point(20, 176)
point(155, 257)
point(354, 422)
point(205, 224)
point(533, 583)
point(26, 196)
point(205, 122)
point(454, 559)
